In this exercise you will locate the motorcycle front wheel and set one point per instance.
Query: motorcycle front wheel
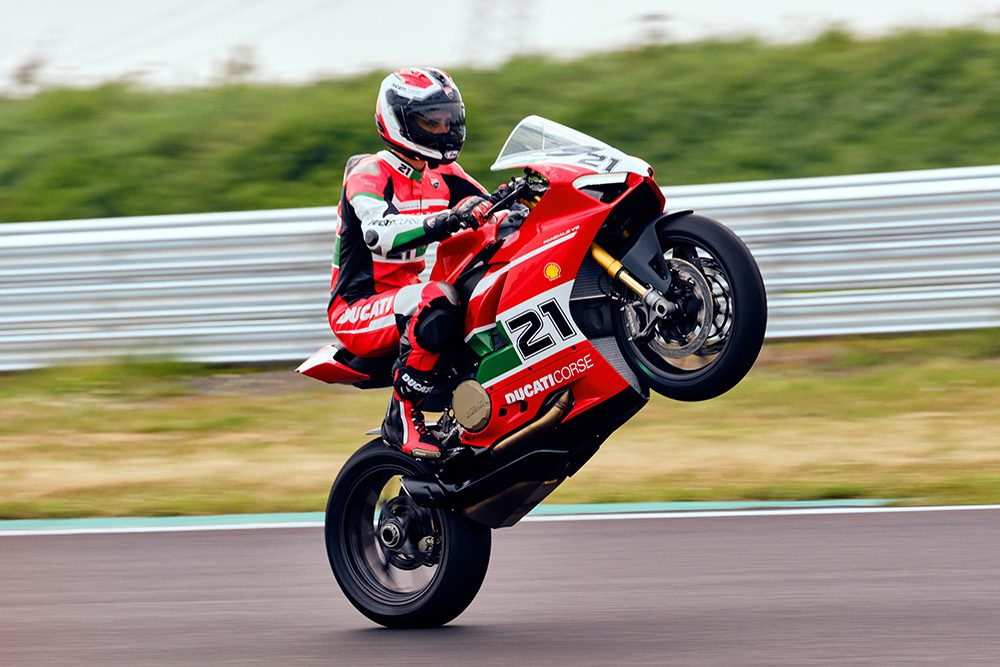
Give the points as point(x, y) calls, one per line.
point(399, 564)
point(710, 343)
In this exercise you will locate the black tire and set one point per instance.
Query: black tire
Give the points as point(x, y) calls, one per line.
point(366, 569)
point(732, 337)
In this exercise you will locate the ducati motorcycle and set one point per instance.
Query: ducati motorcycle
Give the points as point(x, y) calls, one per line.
point(585, 298)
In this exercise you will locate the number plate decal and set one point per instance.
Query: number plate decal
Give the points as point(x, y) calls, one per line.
point(541, 326)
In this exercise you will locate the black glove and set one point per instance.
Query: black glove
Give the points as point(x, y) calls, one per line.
point(470, 212)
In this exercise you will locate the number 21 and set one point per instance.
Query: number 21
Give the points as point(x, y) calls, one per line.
point(530, 324)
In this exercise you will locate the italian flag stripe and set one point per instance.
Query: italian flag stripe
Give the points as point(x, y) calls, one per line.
point(494, 365)
point(497, 363)
point(404, 237)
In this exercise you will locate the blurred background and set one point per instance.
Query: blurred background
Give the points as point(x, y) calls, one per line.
point(111, 109)
point(182, 43)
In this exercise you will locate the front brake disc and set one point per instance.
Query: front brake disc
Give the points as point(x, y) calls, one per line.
point(681, 335)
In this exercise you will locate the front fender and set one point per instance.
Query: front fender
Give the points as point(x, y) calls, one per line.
point(667, 218)
point(645, 251)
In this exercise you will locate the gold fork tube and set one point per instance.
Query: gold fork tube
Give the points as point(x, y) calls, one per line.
point(616, 270)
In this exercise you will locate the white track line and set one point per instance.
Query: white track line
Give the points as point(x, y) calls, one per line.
point(630, 516)
point(160, 529)
point(711, 514)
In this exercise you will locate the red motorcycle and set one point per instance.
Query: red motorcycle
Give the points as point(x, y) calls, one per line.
point(586, 297)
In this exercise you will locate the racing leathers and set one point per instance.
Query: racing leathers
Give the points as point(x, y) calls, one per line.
point(378, 305)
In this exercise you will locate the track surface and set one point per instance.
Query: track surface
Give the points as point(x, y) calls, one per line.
point(877, 589)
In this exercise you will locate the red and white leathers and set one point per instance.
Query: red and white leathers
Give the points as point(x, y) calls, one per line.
point(376, 297)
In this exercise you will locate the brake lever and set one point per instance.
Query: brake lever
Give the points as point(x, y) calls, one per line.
point(511, 197)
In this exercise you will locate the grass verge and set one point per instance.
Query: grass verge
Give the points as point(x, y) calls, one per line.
point(702, 112)
point(902, 417)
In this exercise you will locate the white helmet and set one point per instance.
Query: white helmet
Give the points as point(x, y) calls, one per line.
point(420, 114)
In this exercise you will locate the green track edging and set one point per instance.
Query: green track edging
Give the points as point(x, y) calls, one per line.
point(125, 523)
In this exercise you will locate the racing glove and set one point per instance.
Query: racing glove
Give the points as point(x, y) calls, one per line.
point(473, 211)
point(470, 212)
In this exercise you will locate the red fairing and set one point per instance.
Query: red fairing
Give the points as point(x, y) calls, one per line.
point(538, 265)
point(560, 230)
point(517, 400)
point(482, 310)
point(454, 253)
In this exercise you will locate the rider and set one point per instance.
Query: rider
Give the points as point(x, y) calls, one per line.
point(393, 204)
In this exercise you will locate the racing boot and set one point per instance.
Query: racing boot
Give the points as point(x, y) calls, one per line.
point(404, 425)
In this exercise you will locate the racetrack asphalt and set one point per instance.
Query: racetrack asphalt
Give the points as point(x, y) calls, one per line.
point(829, 589)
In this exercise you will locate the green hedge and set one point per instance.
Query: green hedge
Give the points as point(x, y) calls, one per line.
point(702, 112)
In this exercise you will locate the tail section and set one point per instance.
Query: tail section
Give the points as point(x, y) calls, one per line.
point(324, 365)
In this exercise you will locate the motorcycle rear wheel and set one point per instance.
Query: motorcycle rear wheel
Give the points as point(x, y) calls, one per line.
point(421, 571)
point(711, 344)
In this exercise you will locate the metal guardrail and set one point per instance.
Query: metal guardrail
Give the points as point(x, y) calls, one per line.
point(876, 253)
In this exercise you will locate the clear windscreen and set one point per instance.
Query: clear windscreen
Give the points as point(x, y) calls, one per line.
point(539, 140)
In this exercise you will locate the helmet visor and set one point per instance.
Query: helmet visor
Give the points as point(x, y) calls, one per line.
point(440, 126)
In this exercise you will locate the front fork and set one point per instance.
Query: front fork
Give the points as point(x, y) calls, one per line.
point(658, 305)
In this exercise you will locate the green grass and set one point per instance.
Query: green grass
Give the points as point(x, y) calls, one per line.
point(704, 112)
point(876, 417)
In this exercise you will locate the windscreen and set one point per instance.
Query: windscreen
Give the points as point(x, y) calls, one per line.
point(539, 140)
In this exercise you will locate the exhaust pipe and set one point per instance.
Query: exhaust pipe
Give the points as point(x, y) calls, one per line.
point(428, 491)
point(554, 415)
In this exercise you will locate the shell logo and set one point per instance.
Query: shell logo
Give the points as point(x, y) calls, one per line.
point(552, 271)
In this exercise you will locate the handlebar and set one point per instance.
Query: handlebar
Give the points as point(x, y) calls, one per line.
point(522, 189)
point(513, 197)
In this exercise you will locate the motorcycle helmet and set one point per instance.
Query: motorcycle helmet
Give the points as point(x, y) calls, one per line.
point(420, 114)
